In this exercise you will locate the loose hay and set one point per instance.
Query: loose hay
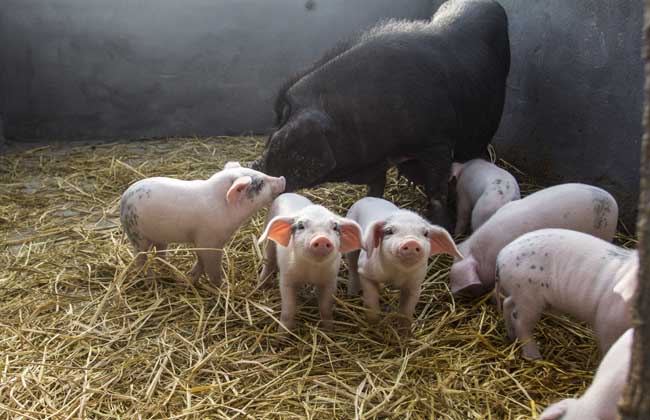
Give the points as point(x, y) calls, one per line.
point(83, 335)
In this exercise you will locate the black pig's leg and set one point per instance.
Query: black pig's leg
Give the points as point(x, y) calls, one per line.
point(436, 164)
point(376, 186)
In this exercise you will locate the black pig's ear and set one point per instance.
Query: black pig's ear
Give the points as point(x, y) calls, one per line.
point(300, 150)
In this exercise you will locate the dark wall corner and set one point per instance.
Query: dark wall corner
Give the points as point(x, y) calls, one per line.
point(575, 95)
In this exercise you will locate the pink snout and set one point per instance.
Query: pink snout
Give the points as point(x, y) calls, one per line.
point(279, 185)
point(410, 251)
point(321, 246)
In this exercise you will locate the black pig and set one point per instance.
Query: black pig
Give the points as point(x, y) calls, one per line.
point(412, 94)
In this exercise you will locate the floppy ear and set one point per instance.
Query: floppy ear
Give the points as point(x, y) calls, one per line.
point(238, 186)
point(278, 230)
point(464, 278)
point(374, 235)
point(442, 243)
point(231, 165)
point(350, 235)
point(626, 286)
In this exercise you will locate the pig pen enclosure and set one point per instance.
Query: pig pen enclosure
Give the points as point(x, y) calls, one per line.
point(83, 334)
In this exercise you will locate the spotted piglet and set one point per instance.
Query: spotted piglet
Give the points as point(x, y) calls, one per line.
point(206, 213)
point(601, 398)
point(568, 272)
point(398, 244)
point(578, 207)
point(482, 189)
point(307, 242)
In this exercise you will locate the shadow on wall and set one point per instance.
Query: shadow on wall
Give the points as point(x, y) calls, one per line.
point(575, 94)
point(79, 70)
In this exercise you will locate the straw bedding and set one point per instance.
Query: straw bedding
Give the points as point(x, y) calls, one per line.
point(85, 335)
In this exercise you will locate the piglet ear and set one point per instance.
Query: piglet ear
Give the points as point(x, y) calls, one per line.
point(231, 165)
point(464, 278)
point(374, 235)
point(278, 230)
point(557, 410)
point(237, 188)
point(442, 243)
point(350, 235)
point(626, 286)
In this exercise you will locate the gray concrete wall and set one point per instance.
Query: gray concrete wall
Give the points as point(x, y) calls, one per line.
point(96, 69)
point(575, 94)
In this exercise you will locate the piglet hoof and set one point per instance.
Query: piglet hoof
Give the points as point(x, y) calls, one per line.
point(285, 326)
point(281, 341)
point(327, 325)
point(149, 273)
point(405, 334)
point(372, 318)
point(404, 328)
point(195, 274)
point(215, 281)
point(530, 351)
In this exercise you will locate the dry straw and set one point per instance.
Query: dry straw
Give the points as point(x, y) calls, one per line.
point(84, 335)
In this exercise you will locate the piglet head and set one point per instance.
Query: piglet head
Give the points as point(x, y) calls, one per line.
point(250, 190)
point(407, 239)
point(315, 233)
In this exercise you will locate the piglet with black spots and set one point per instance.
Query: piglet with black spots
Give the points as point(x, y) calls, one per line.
point(206, 213)
point(482, 189)
point(307, 242)
point(567, 272)
point(398, 244)
point(578, 207)
point(601, 398)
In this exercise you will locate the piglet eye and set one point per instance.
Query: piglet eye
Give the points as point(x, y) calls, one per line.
point(426, 233)
point(388, 231)
point(335, 227)
point(300, 226)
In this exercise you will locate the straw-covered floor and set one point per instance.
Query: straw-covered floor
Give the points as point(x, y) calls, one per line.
point(83, 335)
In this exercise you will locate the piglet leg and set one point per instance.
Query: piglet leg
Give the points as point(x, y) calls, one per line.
point(520, 325)
point(507, 307)
point(610, 325)
point(270, 265)
point(140, 248)
point(196, 271)
point(370, 298)
point(161, 250)
point(289, 296)
point(326, 305)
point(463, 213)
point(211, 262)
point(352, 259)
point(409, 297)
point(436, 163)
point(377, 186)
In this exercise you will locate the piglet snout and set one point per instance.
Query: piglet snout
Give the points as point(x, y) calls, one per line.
point(279, 185)
point(321, 246)
point(410, 251)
